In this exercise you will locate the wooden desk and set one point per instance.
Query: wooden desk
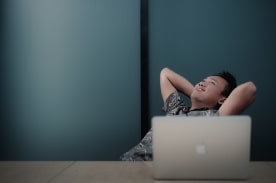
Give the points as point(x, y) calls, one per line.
point(105, 171)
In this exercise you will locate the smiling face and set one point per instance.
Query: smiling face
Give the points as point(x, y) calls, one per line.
point(208, 92)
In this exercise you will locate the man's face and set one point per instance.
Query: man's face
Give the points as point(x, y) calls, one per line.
point(208, 91)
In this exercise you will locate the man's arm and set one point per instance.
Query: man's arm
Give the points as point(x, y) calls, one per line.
point(239, 99)
point(170, 82)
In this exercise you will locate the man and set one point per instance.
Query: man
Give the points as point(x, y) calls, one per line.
point(216, 95)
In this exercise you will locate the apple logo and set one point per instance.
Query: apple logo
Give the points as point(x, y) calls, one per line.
point(200, 149)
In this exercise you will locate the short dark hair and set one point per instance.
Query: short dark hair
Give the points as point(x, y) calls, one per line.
point(231, 80)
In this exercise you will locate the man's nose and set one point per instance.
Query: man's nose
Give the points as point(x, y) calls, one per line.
point(200, 84)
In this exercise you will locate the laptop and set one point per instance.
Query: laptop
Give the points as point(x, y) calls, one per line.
point(201, 147)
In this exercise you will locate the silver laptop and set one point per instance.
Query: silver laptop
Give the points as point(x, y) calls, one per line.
point(201, 147)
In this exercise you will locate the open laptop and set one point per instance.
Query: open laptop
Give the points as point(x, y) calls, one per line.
point(201, 147)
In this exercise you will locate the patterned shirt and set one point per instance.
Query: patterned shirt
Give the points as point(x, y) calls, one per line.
point(174, 105)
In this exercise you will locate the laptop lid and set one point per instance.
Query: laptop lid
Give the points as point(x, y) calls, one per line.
point(201, 147)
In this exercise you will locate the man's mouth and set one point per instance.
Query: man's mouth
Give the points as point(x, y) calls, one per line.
point(200, 89)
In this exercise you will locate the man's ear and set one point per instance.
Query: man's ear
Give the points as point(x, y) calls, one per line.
point(221, 100)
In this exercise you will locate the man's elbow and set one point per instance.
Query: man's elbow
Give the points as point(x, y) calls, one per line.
point(164, 73)
point(250, 89)
point(164, 70)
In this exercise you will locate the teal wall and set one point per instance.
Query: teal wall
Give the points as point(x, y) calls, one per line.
point(198, 37)
point(70, 79)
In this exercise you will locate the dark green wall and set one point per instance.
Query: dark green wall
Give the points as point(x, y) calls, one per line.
point(198, 37)
point(70, 79)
